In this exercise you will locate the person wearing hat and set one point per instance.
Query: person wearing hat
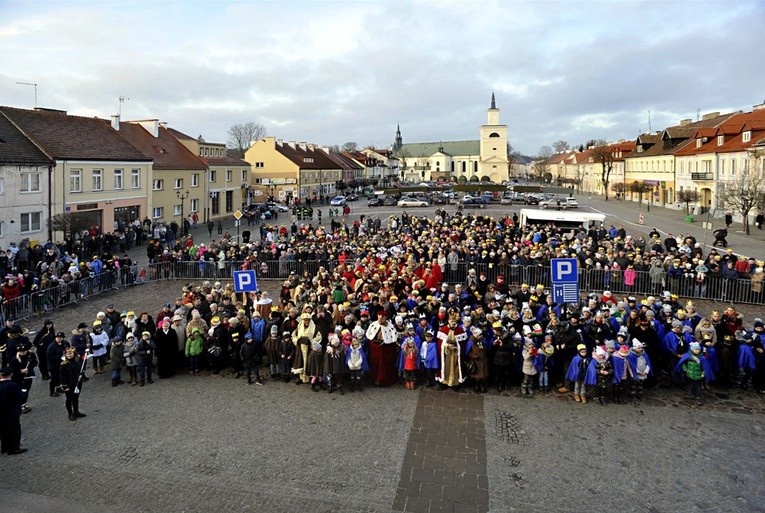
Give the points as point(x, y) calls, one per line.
point(42, 340)
point(640, 368)
point(675, 346)
point(305, 337)
point(577, 373)
point(72, 376)
point(11, 401)
point(99, 341)
point(383, 338)
point(145, 349)
point(166, 341)
point(117, 360)
point(271, 347)
point(23, 367)
point(54, 356)
point(80, 339)
point(696, 369)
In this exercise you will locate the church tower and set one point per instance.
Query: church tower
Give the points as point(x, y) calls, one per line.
point(494, 162)
point(399, 141)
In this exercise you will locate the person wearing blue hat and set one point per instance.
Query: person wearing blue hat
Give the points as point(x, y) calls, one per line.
point(11, 400)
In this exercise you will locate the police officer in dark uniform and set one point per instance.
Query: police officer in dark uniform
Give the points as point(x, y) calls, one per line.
point(71, 370)
point(11, 400)
point(6, 352)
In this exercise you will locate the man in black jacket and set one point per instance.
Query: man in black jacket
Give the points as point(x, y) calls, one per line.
point(71, 369)
point(11, 400)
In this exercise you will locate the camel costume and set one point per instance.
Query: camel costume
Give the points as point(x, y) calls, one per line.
point(304, 337)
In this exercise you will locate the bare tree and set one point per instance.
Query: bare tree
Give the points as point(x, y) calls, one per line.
point(688, 196)
point(602, 154)
point(349, 146)
point(640, 188)
point(540, 166)
point(747, 191)
point(241, 135)
point(560, 146)
point(69, 222)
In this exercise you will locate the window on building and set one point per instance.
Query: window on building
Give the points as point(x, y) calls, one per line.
point(733, 167)
point(2, 185)
point(229, 201)
point(157, 212)
point(30, 181)
point(98, 179)
point(135, 178)
point(194, 205)
point(213, 176)
point(30, 222)
point(698, 143)
point(720, 140)
point(118, 179)
point(178, 183)
point(2, 228)
point(207, 152)
point(229, 175)
point(746, 136)
point(177, 209)
point(259, 165)
point(195, 180)
point(158, 185)
point(722, 167)
point(75, 180)
point(244, 175)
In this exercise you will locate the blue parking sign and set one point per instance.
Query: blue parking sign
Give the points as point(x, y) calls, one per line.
point(245, 281)
point(564, 270)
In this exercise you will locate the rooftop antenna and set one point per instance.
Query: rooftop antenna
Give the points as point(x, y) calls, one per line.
point(698, 114)
point(649, 121)
point(122, 100)
point(30, 84)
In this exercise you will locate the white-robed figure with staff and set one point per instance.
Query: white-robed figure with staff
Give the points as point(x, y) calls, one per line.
point(305, 336)
point(452, 348)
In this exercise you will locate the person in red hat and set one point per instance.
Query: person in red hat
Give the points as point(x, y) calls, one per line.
point(384, 341)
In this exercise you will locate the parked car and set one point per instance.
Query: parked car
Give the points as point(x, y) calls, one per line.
point(377, 201)
point(351, 197)
point(412, 202)
point(530, 199)
point(390, 201)
point(509, 198)
point(565, 203)
point(277, 206)
point(474, 201)
point(338, 201)
point(440, 199)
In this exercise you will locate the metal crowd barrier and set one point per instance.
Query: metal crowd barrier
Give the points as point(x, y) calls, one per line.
point(590, 280)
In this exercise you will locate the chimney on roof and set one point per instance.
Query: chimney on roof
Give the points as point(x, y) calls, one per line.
point(280, 142)
point(302, 146)
point(151, 126)
point(312, 147)
point(759, 106)
point(710, 115)
point(684, 122)
point(325, 149)
point(116, 121)
point(163, 124)
point(291, 144)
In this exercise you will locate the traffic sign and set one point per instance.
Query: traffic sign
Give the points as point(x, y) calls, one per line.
point(565, 293)
point(245, 281)
point(238, 215)
point(641, 219)
point(564, 270)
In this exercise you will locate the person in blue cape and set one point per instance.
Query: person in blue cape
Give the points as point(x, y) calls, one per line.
point(599, 374)
point(759, 356)
point(429, 356)
point(696, 368)
point(674, 344)
point(356, 361)
point(622, 373)
point(746, 359)
point(577, 372)
point(640, 368)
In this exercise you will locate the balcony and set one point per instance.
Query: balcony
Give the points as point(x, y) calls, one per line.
point(702, 176)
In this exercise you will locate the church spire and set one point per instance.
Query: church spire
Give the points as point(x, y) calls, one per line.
point(493, 103)
point(399, 141)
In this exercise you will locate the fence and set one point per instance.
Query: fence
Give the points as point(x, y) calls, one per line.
point(644, 284)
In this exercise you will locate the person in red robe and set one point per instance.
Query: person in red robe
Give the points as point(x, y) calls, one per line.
point(384, 343)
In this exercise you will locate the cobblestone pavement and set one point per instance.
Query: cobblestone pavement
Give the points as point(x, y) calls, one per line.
point(194, 444)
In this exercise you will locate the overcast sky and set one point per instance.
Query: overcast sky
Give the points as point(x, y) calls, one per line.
point(328, 72)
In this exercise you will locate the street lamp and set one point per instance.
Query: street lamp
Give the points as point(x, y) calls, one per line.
point(182, 196)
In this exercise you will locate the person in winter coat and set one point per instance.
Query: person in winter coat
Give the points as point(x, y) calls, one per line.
point(333, 364)
point(42, 340)
point(195, 344)
point(166, 341)
point(529, 369)
point(145, 349)
point(99, 341)
point(314, 367)
point(428, 356)
point(272, 345)
point(356, 361)
point(286, 356)
point(477, 354)
point(144, 323)
point(250, 356)
point(117, 356)
point(131, 358)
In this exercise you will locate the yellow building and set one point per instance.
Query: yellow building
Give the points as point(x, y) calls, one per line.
point(290, 170)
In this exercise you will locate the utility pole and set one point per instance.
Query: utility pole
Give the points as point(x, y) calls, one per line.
point(122, 100)
point(30, 84)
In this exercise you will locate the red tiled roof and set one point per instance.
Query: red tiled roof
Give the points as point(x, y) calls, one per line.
point(166, 150)
point(65, 137)
point(298, 155)
point(15, 148)
point(732, 131)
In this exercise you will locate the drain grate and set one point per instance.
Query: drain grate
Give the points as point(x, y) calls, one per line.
point(508, 427)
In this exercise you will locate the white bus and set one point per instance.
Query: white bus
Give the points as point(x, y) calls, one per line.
point(559, 218)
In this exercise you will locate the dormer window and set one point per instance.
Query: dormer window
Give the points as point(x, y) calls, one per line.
point(308, 159)
point(699, 143)
point(746, 136)
point(720, 140)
